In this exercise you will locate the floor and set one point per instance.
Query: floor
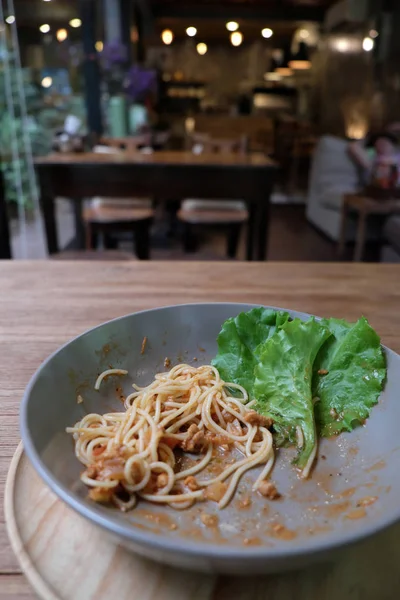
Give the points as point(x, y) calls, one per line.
point(291, 238)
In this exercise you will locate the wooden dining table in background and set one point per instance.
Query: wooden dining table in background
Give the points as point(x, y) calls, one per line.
point(44, 304)
point(163, 175)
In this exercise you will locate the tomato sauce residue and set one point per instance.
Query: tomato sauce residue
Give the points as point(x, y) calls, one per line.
point(252, 541)
point(244, 503)
point(283, 533)
point(379, 465)
point(347, 493)
point(334, 510)
point(158, 519)
point(357, 513)
point(367, 501)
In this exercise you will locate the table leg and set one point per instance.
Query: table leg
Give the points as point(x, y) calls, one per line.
point(343, 228)
point(262, 226)
point(79, 225)
point(360, 241)
point(251, 234)
point(49, 217)
point(5, 248)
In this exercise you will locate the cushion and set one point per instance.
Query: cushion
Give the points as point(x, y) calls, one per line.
point(220, 205)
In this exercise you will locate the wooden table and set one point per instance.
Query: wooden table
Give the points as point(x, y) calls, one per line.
point(43, 304)
point(163, 175)
point(365, 207)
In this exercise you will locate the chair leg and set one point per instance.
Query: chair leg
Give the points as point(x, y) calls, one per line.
point(189, 238)
point(142, 240)
point(110, 243)
point(233, 239)
point(92, 237)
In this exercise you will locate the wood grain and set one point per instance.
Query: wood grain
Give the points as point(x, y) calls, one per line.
point(43, 304)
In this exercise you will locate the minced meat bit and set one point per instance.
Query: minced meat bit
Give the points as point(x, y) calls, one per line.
point(144, 342)
point(268, 489)
point(162, 480)
point(209, 520)
point(103, 495)
point(254, 418)
point(195, 440)
point(191, 483)
point(167, 362)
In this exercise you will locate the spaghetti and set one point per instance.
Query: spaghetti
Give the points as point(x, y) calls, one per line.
point(133, 454)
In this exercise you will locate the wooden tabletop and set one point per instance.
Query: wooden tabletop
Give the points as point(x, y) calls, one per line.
point(43, 304)
point(166, 158)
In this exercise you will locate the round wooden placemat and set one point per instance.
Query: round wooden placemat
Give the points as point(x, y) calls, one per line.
point(66, 558)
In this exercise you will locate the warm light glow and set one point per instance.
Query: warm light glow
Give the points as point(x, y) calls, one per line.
point(236, 38)
point(47, 82)
point(62, 35)
point(373, 33)
point(300, 65)
point(201, 48)
point(44, 28)
point(272, 77)
point(342, 45)
point(267, 32)
point(99, 46)
point(232, 26)
point(167, 37)
point(191, 31)
point(357, 131)
point(368, 44)
point(75, 23)
point(304, 34)
point(284, 71)
point(10, 20)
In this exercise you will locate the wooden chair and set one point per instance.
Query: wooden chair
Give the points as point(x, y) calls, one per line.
point(230, 214)
point(107, 216)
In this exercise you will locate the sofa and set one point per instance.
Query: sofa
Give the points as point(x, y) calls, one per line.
point(391, 233)
point(333, 174)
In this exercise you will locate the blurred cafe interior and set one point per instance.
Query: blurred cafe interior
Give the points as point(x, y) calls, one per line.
point(200, 130)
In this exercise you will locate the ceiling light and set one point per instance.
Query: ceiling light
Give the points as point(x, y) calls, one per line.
point(267, 32)
point(75, 23)
point(232, 26)
point(10, 20)
point(373, 33)
point(99, 46)
point(201, 48)
point(236, 38)
point(47, 82)
point(44, 28)
point(368, 44)
point(342, 45)
point(167, 37)
point(62, 35)
point(191, 31)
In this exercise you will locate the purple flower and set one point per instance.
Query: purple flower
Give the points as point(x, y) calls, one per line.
point(114, 53)
point(140, 82)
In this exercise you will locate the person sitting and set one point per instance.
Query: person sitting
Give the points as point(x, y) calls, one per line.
point(377, 156)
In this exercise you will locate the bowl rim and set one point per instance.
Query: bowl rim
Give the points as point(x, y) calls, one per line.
point(180, 544)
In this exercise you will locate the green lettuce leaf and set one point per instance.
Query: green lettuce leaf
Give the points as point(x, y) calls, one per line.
point(356, 367)
point(283, 380)
point(238, 343)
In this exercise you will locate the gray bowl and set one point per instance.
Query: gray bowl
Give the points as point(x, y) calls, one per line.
point(312, 519)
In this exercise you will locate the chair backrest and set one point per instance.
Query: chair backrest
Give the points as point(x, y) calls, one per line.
point(204, 143)
point(127, 144)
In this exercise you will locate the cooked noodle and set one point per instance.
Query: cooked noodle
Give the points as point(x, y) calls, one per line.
point(130, 455)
